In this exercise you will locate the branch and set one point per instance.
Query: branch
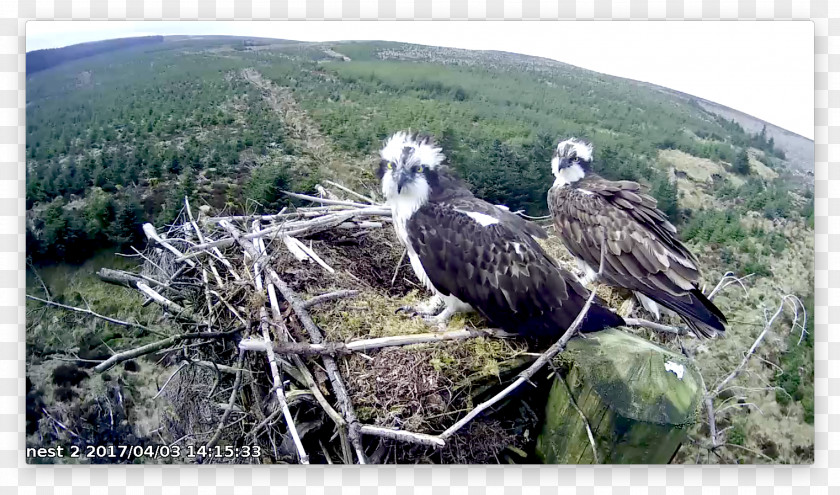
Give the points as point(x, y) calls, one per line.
point(156, 346)
point(636, 322)
point(728, 279)
point(399, 265)
point(237, 383)
point(329, 296)
point(314, 334)
point(404, 436)
point(91, 313)
point(342, 349)
point(278, 388)
point(351, 192)
point(768, 322)
point(324, 200)
point(152, 234)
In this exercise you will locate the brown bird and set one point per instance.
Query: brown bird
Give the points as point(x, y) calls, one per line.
point(475, 256)
point(643, 253)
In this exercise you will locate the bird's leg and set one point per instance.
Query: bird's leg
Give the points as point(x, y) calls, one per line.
point(427, 309)
point(452, 307)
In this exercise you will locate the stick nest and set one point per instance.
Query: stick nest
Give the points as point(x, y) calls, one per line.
point(211, 275)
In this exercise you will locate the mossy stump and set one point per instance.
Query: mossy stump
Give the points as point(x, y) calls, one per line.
point(638, 398)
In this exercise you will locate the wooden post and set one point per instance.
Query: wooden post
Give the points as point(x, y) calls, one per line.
point(638, 400)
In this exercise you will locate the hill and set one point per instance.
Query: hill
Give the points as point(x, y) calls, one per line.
point(119, 138)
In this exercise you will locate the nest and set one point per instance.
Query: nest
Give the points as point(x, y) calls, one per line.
point(283, 336)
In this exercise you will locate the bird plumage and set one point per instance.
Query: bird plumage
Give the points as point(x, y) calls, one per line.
point(643, 253)
point(474, 254)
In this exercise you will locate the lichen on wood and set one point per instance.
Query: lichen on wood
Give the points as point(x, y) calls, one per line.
point(639, 400)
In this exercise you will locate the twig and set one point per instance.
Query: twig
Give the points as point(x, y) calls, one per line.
point(152, 234)
point(636, 322)
point(68, 430)
point(316, 337)
point(176, 309)
point(402, 435)
point(237, 383)
point(40, 280)
point(278, 388)
point(399, 265)
point(183, 365)
point(351, 192)
point(582, 418)
point(91, 313)
point(728, 279)
point(329, 296)
point(156, 346)
point(340, 348)
point(324, 200)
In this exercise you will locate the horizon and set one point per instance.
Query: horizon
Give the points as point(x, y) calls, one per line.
point(753, 81)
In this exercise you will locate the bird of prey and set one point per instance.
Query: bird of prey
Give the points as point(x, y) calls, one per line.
point(473, 255)
point(642, 252)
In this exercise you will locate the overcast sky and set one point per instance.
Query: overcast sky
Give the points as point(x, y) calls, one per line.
point(763, 68)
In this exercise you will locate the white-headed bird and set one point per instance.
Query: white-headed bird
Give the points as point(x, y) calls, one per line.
point(473, 255)
point(642, 252)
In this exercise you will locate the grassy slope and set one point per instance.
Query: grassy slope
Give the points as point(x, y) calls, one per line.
point(472, 98)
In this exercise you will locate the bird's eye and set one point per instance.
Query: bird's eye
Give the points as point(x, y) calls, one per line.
point(390, 165)
point(420, 169)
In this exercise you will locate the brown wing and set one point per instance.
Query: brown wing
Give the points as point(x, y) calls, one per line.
point(628, 196)
point(500, 271)
point(642, 251)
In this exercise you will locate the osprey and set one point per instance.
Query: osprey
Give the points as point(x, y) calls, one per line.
point(473, 255)
point(643, 253)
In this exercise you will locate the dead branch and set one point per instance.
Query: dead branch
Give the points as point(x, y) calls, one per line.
point(325, 201)
point(343, 349)
point(636, 322)
point(278, 388)
point(329, 296)
point(788, 299)
point(156, 346)
point(403, 436)
point(152, 234)
point(728, 279)
point(237, 383)
point(92, 313)
point(316, 337)
point(351, 192)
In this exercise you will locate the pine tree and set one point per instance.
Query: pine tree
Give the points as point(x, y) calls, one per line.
point(742, 163)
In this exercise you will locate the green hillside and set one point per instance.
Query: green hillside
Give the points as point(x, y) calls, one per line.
point(119, 138)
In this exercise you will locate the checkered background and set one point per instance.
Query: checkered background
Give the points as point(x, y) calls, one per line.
point(17, 476)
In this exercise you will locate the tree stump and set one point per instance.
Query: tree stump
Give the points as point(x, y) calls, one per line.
point(638, 399)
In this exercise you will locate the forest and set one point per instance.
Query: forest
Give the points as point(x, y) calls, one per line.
point(120, 132)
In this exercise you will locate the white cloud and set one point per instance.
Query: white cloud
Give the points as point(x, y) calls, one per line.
point(765, 69)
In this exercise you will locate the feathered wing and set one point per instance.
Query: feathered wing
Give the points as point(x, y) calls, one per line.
point(500, 270)
point(643, 253)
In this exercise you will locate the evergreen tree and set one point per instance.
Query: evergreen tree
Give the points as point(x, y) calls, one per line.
point(742, 163)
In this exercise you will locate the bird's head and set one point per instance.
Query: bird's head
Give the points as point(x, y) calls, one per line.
point(408, 165)
point(571, 160)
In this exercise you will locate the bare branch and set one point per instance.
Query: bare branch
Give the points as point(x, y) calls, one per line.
point(329, 296)
point(93, 313)
point(351, 192)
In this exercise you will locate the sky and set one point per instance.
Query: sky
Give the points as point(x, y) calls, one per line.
point(763, 68)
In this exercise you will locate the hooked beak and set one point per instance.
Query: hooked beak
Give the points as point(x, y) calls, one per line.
point(401, 181)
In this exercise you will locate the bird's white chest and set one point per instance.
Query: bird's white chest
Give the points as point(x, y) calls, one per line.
point(402, 208)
